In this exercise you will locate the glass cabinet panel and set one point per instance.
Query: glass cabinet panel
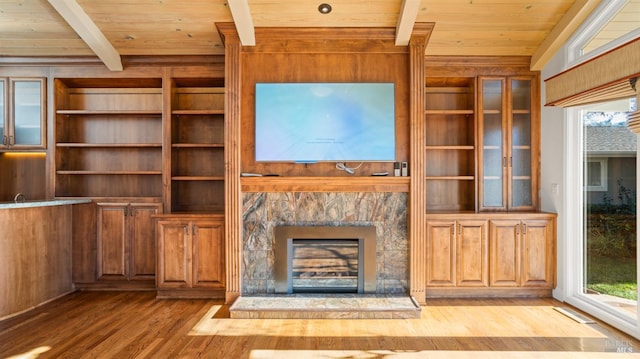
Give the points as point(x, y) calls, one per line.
point(27, 112)
point(492, 143)
point(3, 108)
point(521, 178)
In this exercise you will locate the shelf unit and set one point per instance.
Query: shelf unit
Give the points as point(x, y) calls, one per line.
point(197, 146)
point(450, 144)
point(108, 138)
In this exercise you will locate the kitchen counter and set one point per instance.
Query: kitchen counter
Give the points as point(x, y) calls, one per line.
point(42, 203)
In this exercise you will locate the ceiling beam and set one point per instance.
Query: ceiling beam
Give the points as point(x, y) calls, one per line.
point(82, 24)
point(406, 20)
point(571, 20)
point(244, 23)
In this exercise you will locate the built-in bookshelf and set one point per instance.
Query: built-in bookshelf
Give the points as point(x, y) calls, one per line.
point(197, 146)
point(450, 144)
point(108, 138)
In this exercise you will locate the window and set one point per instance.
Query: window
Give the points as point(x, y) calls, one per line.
point(596, 174)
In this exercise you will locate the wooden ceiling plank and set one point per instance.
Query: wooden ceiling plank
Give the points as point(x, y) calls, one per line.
point(82, 24)
point(573, 18)
point(406, 20)
point(243, 21)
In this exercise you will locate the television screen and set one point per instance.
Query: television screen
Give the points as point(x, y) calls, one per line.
point(337, 122)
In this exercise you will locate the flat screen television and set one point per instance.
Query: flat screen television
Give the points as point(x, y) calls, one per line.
point(332, 122)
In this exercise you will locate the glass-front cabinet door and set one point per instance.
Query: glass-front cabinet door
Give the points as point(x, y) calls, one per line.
point(521, 196)
point(22, 113)
point(3, 110)
point(492, 154)
point(508, 143)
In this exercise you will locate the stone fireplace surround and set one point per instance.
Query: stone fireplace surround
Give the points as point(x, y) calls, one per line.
point(263, 211)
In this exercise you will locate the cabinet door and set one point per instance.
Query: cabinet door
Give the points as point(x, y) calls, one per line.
point(112, 241)
point(28, 113)
point(472, 251)
point(538, 253)
point(523, 140)
point(142, 259)
point(441, 253)
point(174, 259)
point(504, 264)
point(493, 142)
point(208, 254)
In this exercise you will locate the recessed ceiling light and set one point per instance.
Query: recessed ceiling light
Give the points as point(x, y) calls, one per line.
point(324, 8)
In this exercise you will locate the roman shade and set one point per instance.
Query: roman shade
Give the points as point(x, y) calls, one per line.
point(610, 76)
point(604, 78)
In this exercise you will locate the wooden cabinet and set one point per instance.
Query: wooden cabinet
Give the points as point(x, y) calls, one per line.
point(490, 254)
point(523, 253)
point(195, 167)
point(127, 240)
point(190, 256)
point(22, 114)
point(450, 144)
point(457, 252)
point(108, 138)
point(508, 139)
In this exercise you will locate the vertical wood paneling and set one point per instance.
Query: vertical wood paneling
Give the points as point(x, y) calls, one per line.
point(35, 256)
point(233, 196)
point(417, 223)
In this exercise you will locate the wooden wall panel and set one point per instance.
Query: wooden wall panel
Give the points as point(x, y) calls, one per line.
point(22, 173)
point(335, 60)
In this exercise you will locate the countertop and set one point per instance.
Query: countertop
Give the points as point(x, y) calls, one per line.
point(42, 203)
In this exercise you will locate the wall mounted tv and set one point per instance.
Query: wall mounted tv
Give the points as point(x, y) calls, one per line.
point(332, 122)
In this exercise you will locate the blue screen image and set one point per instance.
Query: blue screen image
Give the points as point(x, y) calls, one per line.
point(309, 122)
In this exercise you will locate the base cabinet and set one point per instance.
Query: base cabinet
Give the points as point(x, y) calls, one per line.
point(458, 253)
point(127, 240)
point(190, 257)
point(499, 254)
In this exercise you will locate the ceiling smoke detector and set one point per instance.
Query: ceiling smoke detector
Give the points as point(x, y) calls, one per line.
point(324, 8)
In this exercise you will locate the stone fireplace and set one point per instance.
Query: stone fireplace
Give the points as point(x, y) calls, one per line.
point(384, 213)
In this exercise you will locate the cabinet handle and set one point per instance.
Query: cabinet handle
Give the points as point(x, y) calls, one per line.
point(193, 229)
point(11, 141)
point(524, 229)
point(186, 230)
point(510, 161)
point(504, 160)
point(4, 140)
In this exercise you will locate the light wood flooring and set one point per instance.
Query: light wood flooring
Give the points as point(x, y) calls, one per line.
point(137, 325)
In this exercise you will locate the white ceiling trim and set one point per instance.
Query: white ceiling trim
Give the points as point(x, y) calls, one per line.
point(244, 23)
point(82, 24)
point(408, 15)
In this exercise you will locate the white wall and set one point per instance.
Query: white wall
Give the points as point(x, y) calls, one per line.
point(552, 167)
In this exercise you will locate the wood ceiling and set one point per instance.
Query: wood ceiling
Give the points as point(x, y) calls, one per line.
point(180, 27)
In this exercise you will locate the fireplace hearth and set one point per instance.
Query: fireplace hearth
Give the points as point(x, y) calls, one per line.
point(323, 259)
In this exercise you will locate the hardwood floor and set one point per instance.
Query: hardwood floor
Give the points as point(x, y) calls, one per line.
point(137, 325)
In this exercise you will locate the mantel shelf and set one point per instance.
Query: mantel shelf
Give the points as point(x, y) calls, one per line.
point(325, 184)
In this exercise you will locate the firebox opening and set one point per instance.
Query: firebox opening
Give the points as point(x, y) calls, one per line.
point(324, 259)
point(329, 265)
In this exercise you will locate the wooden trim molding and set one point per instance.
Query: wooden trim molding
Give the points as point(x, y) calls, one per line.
point(233, 196)
point(417, 226)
